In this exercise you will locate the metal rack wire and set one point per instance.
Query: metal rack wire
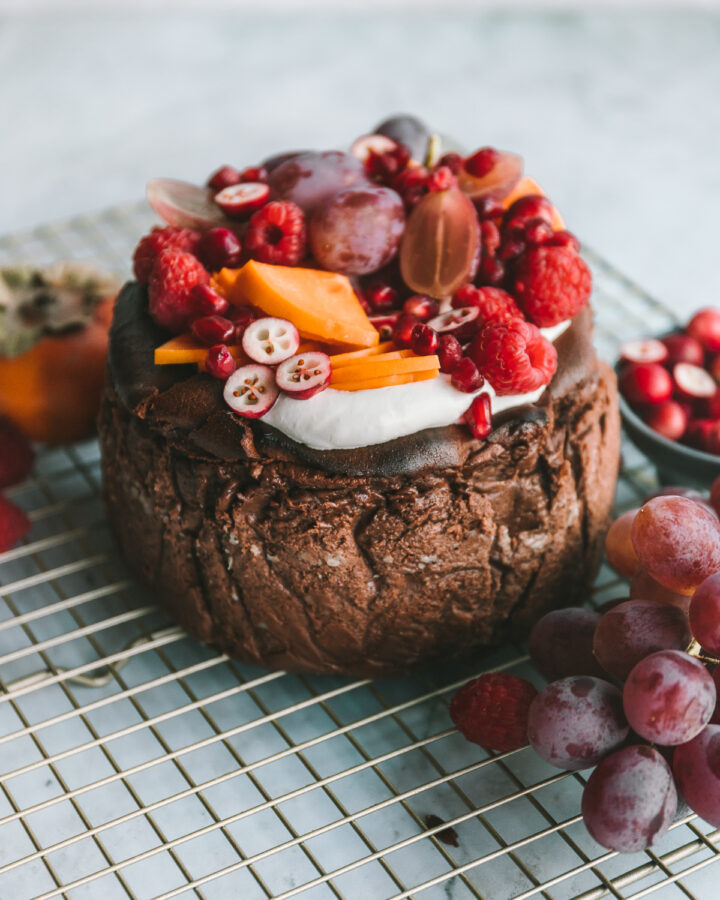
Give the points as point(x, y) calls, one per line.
point(135, 762)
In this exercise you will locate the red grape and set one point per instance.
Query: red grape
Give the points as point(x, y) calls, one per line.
point(643, 587)
point(575, 722)
point(705, 614)
point(697, 771)
point(619, 546)
point(630, 799)
point(309, 179)
point(634, 630)
point(669, 697)
point(677, 541)
point(561, 643)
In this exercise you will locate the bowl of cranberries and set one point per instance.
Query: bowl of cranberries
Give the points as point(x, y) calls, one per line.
point(670, 398)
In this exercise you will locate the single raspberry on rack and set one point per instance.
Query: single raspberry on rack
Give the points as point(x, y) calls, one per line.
point(17, 456)
point(277, 234)
point(495, 305)
point(159, 239)
point(551, 284)
point(14, 524)
point(513, 356)
point(170, 296)
point(492, 711)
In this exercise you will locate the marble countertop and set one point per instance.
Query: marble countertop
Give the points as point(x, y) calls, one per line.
point(615, 113)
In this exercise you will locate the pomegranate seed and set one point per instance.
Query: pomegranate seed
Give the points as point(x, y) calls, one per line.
point(240, 200)
point(420, 306)
point(643, 383)
point(648, 351)
point(466, 377)
point(402, 332)
point(207, 302)
point(669, 419)
point(453, 161)
point(692, 383)
point(490, 235)
point(219, 362)
point(449, 352)
point(424, 340)
point(479, 417)
point(211, 330)
point(223, 177)
point(538, 231)
point(683, 348)
point(705, 327)
point(531, 206)
point(381, 297)
point(219, 248)
point(254, 173)
point(564, 239)
point(385, 325)
point(491, 271)
point(488, 207)
point(441, 179)
point(482, 162)
point(241, 317)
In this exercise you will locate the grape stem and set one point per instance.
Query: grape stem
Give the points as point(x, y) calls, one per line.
point(696, 650)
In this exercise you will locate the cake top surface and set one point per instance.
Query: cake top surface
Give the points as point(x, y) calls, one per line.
point(350, 299)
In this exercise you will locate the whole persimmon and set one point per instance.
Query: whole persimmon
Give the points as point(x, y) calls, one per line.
point(53, 346)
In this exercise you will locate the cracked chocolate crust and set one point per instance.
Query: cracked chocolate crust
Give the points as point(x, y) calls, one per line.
point(370, 563)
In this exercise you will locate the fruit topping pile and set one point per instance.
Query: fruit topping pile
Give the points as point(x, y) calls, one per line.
point(673, 383)
point(633, 686)
point(421, 263)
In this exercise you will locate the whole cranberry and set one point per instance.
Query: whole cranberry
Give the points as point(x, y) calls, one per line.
point(488, 208)
point(225, 176)
point(219, 362)
point(254, 173)
point(530, 206)
point(466, 377)
point(683, 348)
point(420, 306)
point(538, 231)
point(705, 327)
point(449, 352)
point(402, 332)
point(491, 271)
point(207, 302)
point(381, 297)
point(453, 161)
point(669, 419)
point(220, 248)
point(424, 340)
point(241, 317)
point(211, 330)
point(642, 383)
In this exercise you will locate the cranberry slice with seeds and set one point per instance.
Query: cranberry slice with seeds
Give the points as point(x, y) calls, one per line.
point(644, 351)
point(372, 143)
point(692, 382)
point(385, 325)
point(251, 391)
point(270, 340)
point(462, 323)
point(240, 200)
point(304, 375)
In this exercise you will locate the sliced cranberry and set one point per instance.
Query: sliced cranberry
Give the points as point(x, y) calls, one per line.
point(683, 348)
point(402, 332)
point(381, 297)
point(479, 417)
point(645, 351)
point(420, 306)
point(304, 375)
point(385, 325)
point(643, 383)
point(219, 362)
point(251, 390)
point(669, 419)
point(270, 340)
point(211, 330)
point(463, 323)
point(372, 143)
point(223, 177)
point(424, 340)
point(240, 200)
point(441, 179)
point(705, 327)
point(207, 302)
point(692, 383)
point(449, 352)
point(219, 248)
point(466, 377)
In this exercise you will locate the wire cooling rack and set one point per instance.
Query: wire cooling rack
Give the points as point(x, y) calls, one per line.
point(134, 762)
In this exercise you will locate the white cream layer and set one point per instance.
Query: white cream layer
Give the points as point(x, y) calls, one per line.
point(343, 420)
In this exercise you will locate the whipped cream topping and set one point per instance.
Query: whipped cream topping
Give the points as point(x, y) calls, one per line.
point(344, 420)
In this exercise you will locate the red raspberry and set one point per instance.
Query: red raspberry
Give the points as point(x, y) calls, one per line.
point(277, 234)
point(17, 456)
point(513, 356)
point(494, 304)
point(173, 277)
point(492, 711)
point(159, 239)
point(441, 179)
point(14, 524)
point(551, 284)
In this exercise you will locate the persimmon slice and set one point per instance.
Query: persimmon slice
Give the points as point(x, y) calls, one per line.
point(380, 367)
point(368, 384)
point(185, 349)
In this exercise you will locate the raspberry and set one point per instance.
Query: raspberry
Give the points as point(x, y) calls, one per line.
point(17, 456)
point(441, 179)
point(159, 239)
point(494, 304)
point(492, 711)
point(551, 284)
point(14, 524)
point(277, 234)
point(173, 277)
point(513, 356)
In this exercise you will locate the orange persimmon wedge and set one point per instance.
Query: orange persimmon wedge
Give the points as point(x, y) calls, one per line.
point(526, 186)
point(322, 305)
point(345, 359)
point(387, 364)
point(367, 384)
point(185, 349)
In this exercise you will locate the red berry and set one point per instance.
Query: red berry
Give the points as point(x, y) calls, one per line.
point(564, 239)
point(494, 304)
point(424, 340)
point(241, 317)
point(219, 248)
point(239, 200)
point(479, 417)
point(462, 322)
point(453, 161)
point(17, 456)
point(699, 432)
point(491, 271)
point(692, 383)
point(649, 350)
point(207, 302)
point(423, 308)
point(441, 179)
point(642, 383)
point(386, 166)
point(277, 234)
point(153, 244)
point(219, 362)
point(551, 284)
point(492, 711)
point(713, 406)
point(705, 327)
point(488, 207)
point(511, 248)
point(531, 206)
point(173, 277)
point(254, 173)
point(490, 236)
point(482, 162)
point(683, 348)
point(449, 352)
point(465, 376)
point(411, 184)
point(14, 524)
point(715, 503)
point(513, 356)
point(223, 177)
point(669, 419)
point(381, 297)
point(537, 231)
point(211, 330)
point(402, 332)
